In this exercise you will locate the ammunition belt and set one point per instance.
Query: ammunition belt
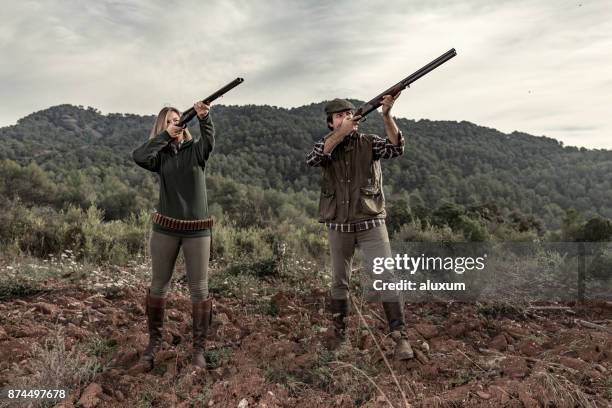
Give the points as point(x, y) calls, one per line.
point(182, 225)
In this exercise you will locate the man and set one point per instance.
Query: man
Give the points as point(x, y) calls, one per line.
point(352, 206)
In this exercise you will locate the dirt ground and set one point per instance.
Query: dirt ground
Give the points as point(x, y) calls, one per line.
point(275, 350)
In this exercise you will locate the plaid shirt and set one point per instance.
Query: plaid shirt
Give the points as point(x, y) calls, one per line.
point(381, 148)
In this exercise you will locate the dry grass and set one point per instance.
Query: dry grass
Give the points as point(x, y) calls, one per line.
point(560, 392)
point(370, 379)
point(365, 324)
point(54, 366)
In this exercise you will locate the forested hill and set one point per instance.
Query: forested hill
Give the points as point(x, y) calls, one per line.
point(266, 146)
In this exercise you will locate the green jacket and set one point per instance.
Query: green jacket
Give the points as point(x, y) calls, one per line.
point(351, 184)
point(182, 190)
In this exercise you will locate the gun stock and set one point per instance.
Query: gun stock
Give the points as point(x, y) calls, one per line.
point(191, 113)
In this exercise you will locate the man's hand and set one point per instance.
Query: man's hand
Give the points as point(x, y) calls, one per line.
point(174, 131)
point(201, 109)
point(387, 103)
point(349, 124)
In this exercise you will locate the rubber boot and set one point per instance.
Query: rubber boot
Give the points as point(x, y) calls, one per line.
point(202, 318)
point(395, 317)
point(155, 309)
point(339, 309)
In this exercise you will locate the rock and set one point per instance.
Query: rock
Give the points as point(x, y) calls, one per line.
point(280, 301)
point(428, 331)
point(165, 355)
point(528, 348)
point(517, 332)
point(175, 315)
point(591, 354)
point(45, 308)
point(574, 363)
point(126, 358)
point(514, 367)
point(64, 404)
point(498, 343)
point(76, 332)
point(509, 338)
point(429, 371)
point(421, 356)
point(364, 341)
point(457, 330)
point(600, 368)
point(457, 396)
point(342, 399)
point(29, 331)
point(501, 395)
point(119, 395)
point(91, 396)
point(483, 395)
point(243, 403)
point(526, 398)
point(222, 319)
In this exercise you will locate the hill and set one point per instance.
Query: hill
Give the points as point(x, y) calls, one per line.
point(89, 155)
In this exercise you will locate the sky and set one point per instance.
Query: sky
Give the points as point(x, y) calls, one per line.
point(542, 67)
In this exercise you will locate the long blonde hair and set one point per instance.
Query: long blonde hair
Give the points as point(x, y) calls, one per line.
point(160, 123)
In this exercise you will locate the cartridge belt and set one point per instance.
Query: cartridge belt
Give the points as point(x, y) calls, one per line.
point(181, 225)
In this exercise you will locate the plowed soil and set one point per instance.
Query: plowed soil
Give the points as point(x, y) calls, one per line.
point(280, 352)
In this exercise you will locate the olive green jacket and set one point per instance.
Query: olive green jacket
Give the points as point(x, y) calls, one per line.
point(351, 182)
point(182, 190)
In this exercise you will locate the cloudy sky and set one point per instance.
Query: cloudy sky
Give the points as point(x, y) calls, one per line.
point(541, 67)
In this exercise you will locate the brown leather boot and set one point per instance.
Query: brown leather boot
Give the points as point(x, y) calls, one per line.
point(202, 318)
point(155, 310)
point(340, 310)
point(395, 317)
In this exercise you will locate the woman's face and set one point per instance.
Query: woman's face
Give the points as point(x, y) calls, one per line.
point(172, 119)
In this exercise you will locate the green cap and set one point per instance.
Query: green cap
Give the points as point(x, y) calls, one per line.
point(338, 105)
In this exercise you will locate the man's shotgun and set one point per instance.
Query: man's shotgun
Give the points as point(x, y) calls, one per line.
point(376, 102)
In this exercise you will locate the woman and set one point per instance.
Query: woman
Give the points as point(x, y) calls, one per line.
point(181, 221)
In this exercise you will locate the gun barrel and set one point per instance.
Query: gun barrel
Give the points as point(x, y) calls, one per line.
point(191, 113)
point(375, 103)
point(430, 67)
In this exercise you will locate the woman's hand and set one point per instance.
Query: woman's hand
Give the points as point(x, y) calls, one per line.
point(174, 131)
point(201, 109)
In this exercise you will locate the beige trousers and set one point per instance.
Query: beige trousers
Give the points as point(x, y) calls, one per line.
point(372, 243)
point(164, 251)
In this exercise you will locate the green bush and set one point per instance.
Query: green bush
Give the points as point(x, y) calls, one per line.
point(40, 231)
point(415, 232)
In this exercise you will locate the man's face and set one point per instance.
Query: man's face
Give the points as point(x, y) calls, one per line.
point(338, 117)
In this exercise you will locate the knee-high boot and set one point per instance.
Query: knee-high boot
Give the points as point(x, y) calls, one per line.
point(202, 318)
point(155, 309)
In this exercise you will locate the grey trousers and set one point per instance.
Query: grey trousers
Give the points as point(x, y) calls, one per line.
point(373, 243)
point(164, 251)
